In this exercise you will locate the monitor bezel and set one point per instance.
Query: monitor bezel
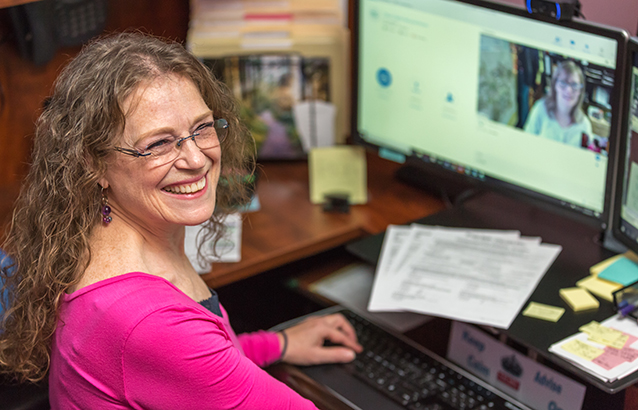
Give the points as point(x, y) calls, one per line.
point(621, 162)
point(460, 182)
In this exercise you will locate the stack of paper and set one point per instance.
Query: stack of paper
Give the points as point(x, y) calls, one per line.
point(235, 14)
point(608, 350)
point(314, 30)
point(477, 276)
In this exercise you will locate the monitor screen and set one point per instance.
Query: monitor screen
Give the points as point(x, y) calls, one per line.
point(486, 91)
point(625, 216)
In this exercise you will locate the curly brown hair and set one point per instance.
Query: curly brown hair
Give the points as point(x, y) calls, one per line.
point(58, 207)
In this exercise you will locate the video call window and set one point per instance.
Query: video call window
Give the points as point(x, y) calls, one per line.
point(546, 94)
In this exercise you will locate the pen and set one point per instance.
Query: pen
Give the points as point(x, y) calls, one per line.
point(625, 310)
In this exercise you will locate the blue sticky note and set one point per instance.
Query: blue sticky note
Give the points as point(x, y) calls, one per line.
point(622, 271)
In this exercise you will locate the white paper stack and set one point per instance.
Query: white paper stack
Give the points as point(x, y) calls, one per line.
point(601, 360)
point(477, 276)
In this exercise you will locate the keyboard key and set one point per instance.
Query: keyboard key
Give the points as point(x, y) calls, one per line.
point(413, 378)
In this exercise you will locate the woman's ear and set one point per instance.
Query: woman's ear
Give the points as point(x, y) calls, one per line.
point(94, 169)
point(103, 183)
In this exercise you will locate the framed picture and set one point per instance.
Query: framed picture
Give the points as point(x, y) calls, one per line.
point(270, 89)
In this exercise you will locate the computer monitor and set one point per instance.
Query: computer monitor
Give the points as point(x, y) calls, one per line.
point(485, 93)
point(625, 215)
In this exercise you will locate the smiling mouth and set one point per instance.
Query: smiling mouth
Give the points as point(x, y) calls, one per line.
point(186, 189)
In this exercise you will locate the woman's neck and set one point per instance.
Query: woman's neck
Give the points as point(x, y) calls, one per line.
point(120, 248)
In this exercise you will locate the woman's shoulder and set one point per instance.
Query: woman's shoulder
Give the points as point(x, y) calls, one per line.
point(539, 109)
point(129, 296)
point(123, 285)
point(541, 104)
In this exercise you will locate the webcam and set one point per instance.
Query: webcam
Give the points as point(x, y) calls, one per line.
point(559, 10)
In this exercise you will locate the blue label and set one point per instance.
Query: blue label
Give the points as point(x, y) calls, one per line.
point(548, 382)
point(392, 155)
point(383, 77)
point(473, 342)
point(478, 366)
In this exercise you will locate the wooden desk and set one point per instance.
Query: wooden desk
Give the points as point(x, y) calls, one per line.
point(10, 3)
point(288, 227)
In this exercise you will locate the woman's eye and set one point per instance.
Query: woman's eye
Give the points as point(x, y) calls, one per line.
point(158, 144)
point(204, 126)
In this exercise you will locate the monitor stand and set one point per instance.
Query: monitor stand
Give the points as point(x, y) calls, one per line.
point(451, 190)
point(611, 243)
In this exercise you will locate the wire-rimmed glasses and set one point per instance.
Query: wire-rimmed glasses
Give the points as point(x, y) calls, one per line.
point(167, 148)
point(573, 85)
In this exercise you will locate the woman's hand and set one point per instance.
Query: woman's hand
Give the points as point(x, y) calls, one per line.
point(306, 341)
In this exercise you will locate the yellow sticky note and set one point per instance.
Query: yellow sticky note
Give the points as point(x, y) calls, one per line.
point(599, 287)
point(338, 170)
point(617, 343)
point(578, 299)
point(604, 335)
point(631, 256)
point(601, 266)
point(582, 349)
point(544, 312)
point(591, 328)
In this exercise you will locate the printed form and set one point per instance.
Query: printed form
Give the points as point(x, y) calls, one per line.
point(477, 276)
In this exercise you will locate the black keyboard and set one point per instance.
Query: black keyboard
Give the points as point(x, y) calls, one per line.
point(413, 378)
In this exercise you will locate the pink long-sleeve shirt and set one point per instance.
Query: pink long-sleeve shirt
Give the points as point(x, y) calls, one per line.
point(137, 342)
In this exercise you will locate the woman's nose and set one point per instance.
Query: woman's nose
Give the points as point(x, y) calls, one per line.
point(191, 154)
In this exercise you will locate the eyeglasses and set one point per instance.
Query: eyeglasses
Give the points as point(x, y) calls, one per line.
point(574, 86)
point(166, 149)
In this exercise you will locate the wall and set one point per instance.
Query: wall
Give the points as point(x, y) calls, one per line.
point(24, 86)
point(618, 13)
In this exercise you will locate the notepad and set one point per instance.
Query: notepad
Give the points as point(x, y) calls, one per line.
point(578, 299)
point(599, 287)
point(340, 169)
point(543, 312)
point(623, 271)
point(601, 266)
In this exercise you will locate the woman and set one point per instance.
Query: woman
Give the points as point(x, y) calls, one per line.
point(129, 151)
point(560, 116)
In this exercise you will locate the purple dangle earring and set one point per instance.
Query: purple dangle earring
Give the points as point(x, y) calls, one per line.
point(106, 209)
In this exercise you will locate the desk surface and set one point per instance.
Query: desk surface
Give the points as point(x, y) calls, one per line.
point(288, 227)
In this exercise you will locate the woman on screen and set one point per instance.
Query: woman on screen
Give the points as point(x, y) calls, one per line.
point(101, 298)
point(559, 116)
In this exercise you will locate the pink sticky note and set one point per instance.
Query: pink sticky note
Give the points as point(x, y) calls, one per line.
point(631, 339)
point(609, 360)
point(628, 354)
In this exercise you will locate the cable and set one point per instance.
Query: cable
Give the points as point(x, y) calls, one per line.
point(577, 10)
